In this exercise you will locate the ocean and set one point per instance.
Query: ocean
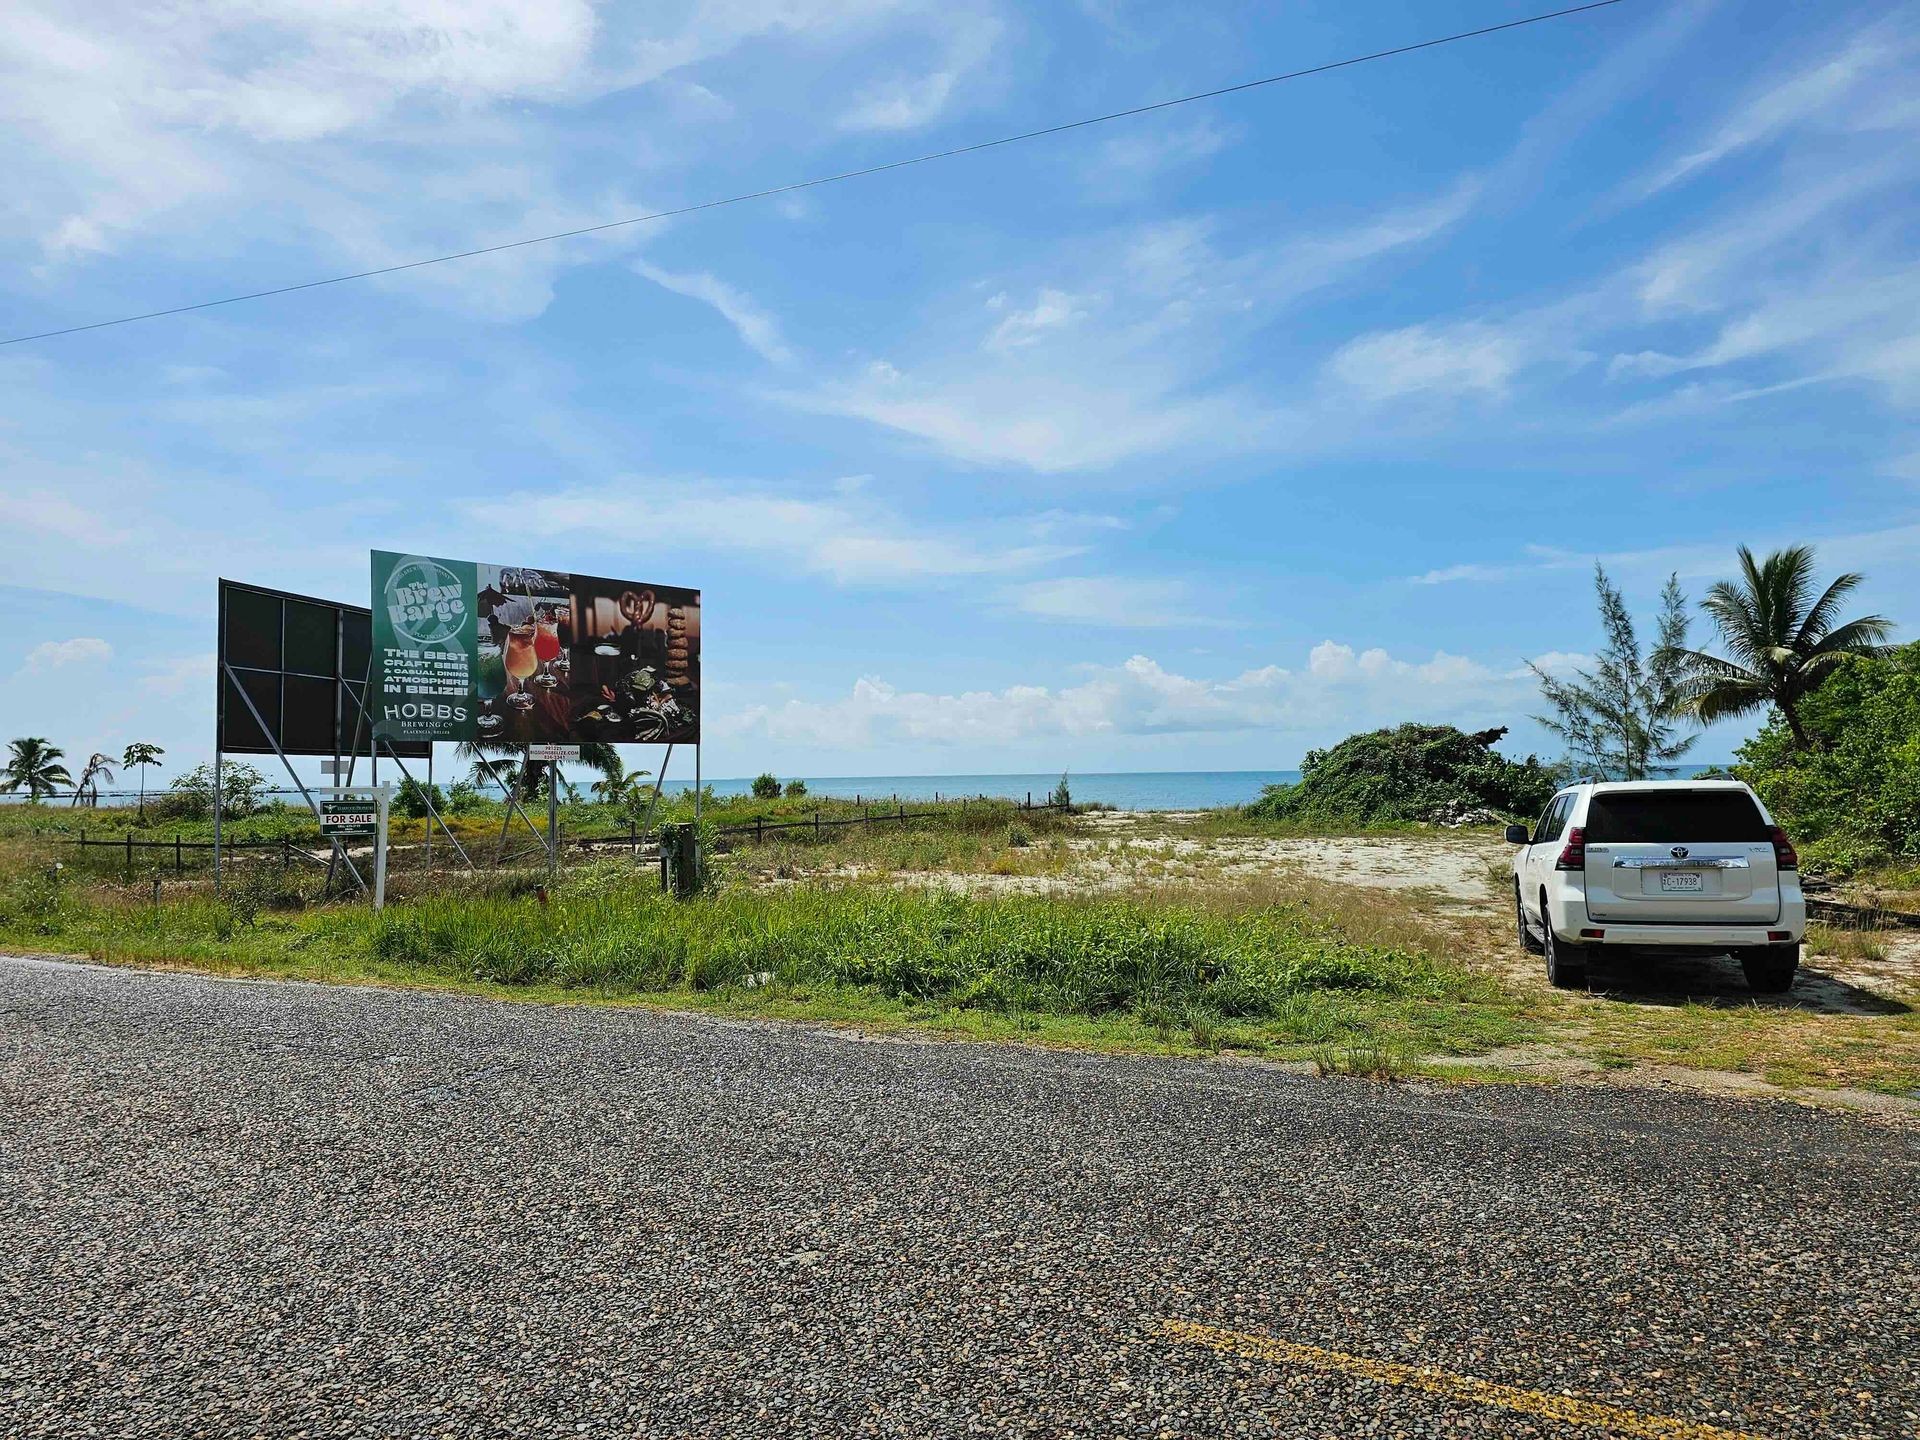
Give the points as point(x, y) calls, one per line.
point(1125, 790)
point(1142, 790)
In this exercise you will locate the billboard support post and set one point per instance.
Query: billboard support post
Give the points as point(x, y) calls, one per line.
point(553, 820)
point(380, 794)
point(218, 806)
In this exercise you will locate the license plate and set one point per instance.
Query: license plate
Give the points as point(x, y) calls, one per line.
point(1680, 881)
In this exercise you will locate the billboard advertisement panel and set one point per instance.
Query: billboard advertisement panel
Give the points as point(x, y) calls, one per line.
point(508, 653)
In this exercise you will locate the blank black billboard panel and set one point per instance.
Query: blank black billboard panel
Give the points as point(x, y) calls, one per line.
point(303, 663)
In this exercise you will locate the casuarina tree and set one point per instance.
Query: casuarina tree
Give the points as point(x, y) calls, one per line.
point(1622, 719)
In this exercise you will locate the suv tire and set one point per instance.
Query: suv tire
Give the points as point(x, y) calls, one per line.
point(1529, 942)
point(1770, 968)
point(1566, 964)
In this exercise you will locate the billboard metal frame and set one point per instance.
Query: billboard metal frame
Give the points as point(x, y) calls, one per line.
point(343, 688)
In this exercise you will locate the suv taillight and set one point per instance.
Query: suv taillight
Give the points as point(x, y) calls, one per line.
point(1573, 854)
point(1785, 857)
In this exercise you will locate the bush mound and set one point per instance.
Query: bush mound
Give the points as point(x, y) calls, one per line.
point(1431, 774)
point(1852, 800)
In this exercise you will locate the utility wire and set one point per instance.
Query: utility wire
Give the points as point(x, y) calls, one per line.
point(826, 179)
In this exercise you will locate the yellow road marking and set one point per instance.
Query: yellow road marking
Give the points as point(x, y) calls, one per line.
point(1447, 1385)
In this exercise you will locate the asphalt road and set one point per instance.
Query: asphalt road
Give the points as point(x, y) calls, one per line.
point(257, 1209)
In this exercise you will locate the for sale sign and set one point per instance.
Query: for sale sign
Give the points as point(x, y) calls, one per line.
point(342, 816)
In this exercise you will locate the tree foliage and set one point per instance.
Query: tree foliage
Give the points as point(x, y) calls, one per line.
point(1412, 773)
point(1848, 788)
point(1781, 642)
point(190, 796)
point(766, 786)
point(1621, 719)
point(34, 765)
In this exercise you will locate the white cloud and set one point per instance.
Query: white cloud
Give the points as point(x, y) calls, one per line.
point(46, 515)
point(1051, 309)
point(1047, 422)
point(181, 675)
point(1066, 384)
point(851, 541)
point(757, 329)
point(1116, 601)
point(1706, 559)
point(1339, 691)
point(53, 654)
point(1125, 165)
point(1788, 102)
point(1471, 359)
point(909, 101)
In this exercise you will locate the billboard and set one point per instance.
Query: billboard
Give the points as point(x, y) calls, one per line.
point(302, 661)
point(507, 653)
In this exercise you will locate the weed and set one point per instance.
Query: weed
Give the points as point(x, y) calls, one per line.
point(1844, 944)
point(1368, 1056)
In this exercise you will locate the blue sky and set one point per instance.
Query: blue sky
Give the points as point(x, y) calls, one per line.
point(1187, 442)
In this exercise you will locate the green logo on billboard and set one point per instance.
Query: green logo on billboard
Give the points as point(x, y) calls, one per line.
point(425, 602)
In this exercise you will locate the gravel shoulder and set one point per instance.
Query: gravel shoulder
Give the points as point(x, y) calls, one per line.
point(240, 1209)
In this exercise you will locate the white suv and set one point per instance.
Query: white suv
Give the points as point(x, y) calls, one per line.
point(1677, 865)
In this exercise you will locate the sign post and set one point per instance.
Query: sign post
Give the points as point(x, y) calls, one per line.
point(553, 754)
point(355, 812)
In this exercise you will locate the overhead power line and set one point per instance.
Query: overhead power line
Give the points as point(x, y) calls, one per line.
point(819, 180)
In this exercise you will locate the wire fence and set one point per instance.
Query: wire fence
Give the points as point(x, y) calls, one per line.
point(176, 851)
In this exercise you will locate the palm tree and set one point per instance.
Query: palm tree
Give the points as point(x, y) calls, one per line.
point(619, 786)
point(527, 778)
point(35, 765)
point(98, 767)
point(1781, 641)
point(140, 754)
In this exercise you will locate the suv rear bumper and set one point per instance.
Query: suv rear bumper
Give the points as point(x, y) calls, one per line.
point(1692, 937)
point(1569, 919)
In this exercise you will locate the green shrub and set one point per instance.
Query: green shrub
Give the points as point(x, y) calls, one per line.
point(1852, 799)
point(1413, 773)
point(796, 789)
point(413, 798)
point(190, 796)
point(766, 786)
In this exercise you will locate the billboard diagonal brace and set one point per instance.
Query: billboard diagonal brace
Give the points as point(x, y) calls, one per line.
point(273, 740)
point(426, 796)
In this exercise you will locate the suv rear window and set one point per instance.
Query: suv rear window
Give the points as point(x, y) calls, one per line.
point(1658, 816)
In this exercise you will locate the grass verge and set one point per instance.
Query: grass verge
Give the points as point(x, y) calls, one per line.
point(1113, 973)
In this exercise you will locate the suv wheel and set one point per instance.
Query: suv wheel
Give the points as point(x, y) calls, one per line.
point(1529, 942)
point(1566, 964)
point(1770, 968)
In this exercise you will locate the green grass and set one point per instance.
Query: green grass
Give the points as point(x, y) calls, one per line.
point(1092, 973)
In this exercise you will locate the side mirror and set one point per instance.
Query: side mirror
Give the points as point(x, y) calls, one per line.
point(1517, 835)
